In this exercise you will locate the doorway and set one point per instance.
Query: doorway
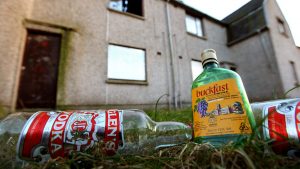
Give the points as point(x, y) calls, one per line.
point(39, 72)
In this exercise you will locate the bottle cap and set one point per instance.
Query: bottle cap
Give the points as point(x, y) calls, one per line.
point(208, 55)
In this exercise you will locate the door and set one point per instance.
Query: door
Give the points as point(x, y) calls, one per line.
point(38, 81)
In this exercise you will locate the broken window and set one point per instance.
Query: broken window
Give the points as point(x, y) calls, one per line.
point(228, 65)
point(129, 6)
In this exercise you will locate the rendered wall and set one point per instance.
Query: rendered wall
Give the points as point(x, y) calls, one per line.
point(285, 49)
point(12, 37)
point(88, 29)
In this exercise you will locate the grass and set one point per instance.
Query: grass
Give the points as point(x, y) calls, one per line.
point(248, 153)
point(182, 115)
point(3, 112)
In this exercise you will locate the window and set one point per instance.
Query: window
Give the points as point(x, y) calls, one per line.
point(281, 27)
point(129, 6)
point(194, 25)
point(246, 26)
point(296, 80)
point(196, 68)
point(126, 63)
point(228, 65)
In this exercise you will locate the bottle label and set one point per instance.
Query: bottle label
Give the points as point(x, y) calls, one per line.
point(218, 109)
point(57, 134)
point(282, 123)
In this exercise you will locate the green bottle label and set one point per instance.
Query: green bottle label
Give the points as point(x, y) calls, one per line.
point(218, 109)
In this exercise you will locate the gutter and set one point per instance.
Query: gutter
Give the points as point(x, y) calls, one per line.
point(171, 48)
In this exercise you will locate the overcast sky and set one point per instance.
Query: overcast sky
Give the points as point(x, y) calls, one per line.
point(221, 8)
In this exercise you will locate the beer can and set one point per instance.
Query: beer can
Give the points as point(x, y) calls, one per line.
point(49, 134)
point(281, 123)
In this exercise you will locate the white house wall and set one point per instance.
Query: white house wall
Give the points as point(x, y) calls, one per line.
point(88, 29)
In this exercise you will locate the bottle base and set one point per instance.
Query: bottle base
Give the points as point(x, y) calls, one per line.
point(219, 141)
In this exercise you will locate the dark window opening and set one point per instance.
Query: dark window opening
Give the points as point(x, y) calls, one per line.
point(295, 73)
point(232, 68)
point(281, 26)
point(129, 6)
point(227, 65)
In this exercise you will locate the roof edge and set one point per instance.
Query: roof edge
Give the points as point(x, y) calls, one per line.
point(242, 11)
point(194, 11)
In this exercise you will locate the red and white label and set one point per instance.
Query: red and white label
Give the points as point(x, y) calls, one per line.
point(278, 129)
point(79, 125)
point(283, 123)
point(56, 142)
point(297, 115)
point(63, 132)
point(112, 132)
point(34, 134)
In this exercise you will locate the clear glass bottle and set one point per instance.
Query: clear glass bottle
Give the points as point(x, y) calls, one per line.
point(48, 134)
point(142, 135)
point(10, 128)
point(221, 110)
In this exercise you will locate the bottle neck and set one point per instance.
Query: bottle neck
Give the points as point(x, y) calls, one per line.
point(171, 133)
point(210, 65)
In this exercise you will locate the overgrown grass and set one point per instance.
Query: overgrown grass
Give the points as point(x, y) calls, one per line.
point(254, 154)
point(248, 153)
point(182, 115)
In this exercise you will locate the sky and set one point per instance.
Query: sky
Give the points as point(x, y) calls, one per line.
point(219, 9)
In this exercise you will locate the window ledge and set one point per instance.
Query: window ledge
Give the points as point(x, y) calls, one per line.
point(131, 82)
point(126, 13)
point(284, 34)
point(197, 36)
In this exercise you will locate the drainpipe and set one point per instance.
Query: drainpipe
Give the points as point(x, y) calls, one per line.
point(171, 48)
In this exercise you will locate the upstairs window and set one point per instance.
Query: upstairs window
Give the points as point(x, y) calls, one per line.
point(281, 27)
point(228, 65)
point(129, 6)
point(295, 74)
point(196, 68)
point(194, 25)
point(125, 63)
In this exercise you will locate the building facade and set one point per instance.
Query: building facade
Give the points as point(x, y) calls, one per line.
point(124, 53)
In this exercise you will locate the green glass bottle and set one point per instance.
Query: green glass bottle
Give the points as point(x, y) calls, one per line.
point(221, 110)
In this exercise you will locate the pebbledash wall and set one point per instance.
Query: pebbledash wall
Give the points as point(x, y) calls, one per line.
point(88, 28)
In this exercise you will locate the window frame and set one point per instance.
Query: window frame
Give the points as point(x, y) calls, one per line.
point(229, 66)
point(128, 13)
point(195, 19)
point(194, 60)
point(124, 80)
point(295, 73)
point(281, 26)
